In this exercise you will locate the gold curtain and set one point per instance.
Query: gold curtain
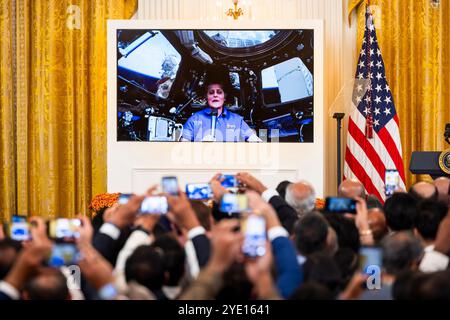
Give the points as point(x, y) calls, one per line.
point(414, 39)
point(7, 150)
point(53, 104)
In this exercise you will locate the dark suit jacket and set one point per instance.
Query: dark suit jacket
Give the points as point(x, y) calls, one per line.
point(286, 214)
point(289, 273)
point(202, 247)
point(108, 247)
point(4, 296)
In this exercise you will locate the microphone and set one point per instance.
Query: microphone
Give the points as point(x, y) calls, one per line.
point(180, 108)
point(213, 122)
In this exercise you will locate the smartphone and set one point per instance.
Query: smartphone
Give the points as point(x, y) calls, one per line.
point(63, 254)
point(64, 230)
point(154, 205)
point(370, 256)
point(124, 197)
point(170, 185)
point(254, 229)
point(19, 228)
point(233, 203)
point(340, 205)
point(229, 181)
point(391, 181)
point(198, 191)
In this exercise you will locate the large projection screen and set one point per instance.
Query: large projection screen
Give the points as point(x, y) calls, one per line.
point(156, 97)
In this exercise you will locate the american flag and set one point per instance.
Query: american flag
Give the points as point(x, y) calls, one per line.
point(373, 140)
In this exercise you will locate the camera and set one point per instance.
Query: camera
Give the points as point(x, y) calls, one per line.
point(229, 181)
point(254, 230)
point(63, 254)
point(391, 182)
point(19, 228)
point(233, 203)
point(124, 197)
point(64, 230)
point(154, 205)
point(340, 205)
point(198, 191)
point(170, 185)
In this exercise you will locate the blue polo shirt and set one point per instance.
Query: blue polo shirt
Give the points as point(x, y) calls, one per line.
point(230, 127)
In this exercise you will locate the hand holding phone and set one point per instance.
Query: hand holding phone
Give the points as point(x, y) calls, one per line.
point(124, 197)
point(216, 188)
point(64, 230)
point(170, 185)
point(226, 244)
point(254, 230)
point(229, 181)
point(199, 191)
point(233, 203)
point(63, 254)
point(391, 182)
point(19, 228)
point(249, 182)
point(154, 205)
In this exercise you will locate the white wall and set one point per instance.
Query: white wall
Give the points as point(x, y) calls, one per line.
point(339, 63)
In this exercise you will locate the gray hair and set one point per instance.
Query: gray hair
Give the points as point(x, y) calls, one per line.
point(400, 251)
point(303, 201)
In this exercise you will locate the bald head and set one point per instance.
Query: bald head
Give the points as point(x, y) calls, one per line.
point(48, 284)
point(301, 196)
point(351, 189)
point(401, 252)
point(424, 190)
point(377, 223)
point(442, 185)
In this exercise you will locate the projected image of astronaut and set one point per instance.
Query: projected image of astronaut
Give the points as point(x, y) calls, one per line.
point(169, 69)
point(262, 88)
point(215, 122)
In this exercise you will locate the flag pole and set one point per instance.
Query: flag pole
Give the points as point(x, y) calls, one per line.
point(338, 116)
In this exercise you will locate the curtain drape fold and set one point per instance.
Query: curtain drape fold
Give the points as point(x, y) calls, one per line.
point(53, 107)
point(7, 130)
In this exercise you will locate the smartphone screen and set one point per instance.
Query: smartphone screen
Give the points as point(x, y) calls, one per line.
point(233, 203)
point(391, 181)
point(254, 230)
point(370, 256)
point(63, 254)
point(64, 230)
point(170, 185)
point(124, 197)
point(229, 181)
point(198, 191)
point(19, 229)
point(340, 205)
point(154, 205)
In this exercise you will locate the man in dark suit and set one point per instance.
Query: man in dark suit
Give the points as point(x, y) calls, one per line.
point(285, 212)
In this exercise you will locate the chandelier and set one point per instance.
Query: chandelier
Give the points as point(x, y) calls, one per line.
point(236, 12)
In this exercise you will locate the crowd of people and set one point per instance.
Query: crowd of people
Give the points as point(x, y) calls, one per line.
point(195, 250)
